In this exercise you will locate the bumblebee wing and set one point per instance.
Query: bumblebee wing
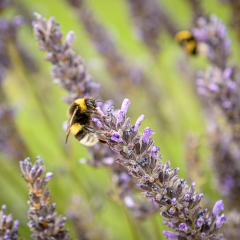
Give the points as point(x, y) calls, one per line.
point(70, 124)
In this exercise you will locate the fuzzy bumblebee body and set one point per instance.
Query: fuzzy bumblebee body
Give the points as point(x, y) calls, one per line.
point(187, 41)
point(80, 124)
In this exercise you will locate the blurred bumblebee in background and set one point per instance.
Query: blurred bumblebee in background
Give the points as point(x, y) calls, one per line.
point(189, 43)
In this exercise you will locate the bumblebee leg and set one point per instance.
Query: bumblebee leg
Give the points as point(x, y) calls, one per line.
point(67, 134)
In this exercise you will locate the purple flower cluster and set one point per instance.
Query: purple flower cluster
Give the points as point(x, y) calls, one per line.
point(43, 220)
point(68, 68)
point(221, 87)
point(8, 228)
point(179, 204)
point(212, 33)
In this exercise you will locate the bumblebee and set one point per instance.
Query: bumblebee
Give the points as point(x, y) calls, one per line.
point(188, 42)
point(79, 124)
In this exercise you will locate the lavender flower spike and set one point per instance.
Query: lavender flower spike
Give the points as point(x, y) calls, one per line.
point(179, 204)
point(43, 220)
point(8, 228)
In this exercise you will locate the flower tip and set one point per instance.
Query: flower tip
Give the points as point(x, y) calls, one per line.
point(138, 123)
point(97, 122)
point(125, 105)
point(69, 38)
point(218, 207)
point(48, 176)
point(147, 133)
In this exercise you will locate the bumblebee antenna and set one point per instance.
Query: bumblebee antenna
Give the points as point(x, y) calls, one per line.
point(69, 124)
point(99, 100)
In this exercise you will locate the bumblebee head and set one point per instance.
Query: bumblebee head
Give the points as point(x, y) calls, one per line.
point(91, 103)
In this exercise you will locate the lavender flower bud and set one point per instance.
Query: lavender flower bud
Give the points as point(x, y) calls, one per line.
point(147, 133)
point(218, 207)
point(97, 122)
point(183, 227)
point(125, 105)
point(116, 137)
point(220, 221)
point(69, 38)
point(120, 116)
point(170, 235)
point(154, 152)
point(138, 123)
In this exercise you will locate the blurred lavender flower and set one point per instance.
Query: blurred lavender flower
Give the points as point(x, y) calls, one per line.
point(8, 228)
point(197, 9)
point(231, 229)
point(8, 31)
point(179, 204)
point(116, 64)
point(68, 68)
point(213, 34)
point(4, 4)
point(11, 144)
point(226, 155)
point(150, 20)
point(222, 89)
point(147, 18)
point(43, 220)
point(8, 34)
point(84, 223)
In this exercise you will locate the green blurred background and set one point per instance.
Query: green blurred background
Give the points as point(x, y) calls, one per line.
point(40, 112)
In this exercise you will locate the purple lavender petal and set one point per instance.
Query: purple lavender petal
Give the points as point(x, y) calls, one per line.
point(220, 221)
point(48, 176)
point(155, 151)
point(138, 123)
point(227, 73)
point(120, 116)
point(218, 207)
point(69, 38)
point(97, 122)
point(125, 105)
point(183, 227)
point(116, 137)
point(170, 235)
point(146, 134)
point(200, 222)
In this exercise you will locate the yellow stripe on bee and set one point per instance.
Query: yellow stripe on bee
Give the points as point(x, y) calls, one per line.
point(75, 128)
point(183, 35)
point(82, 104)
point(190, 46)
